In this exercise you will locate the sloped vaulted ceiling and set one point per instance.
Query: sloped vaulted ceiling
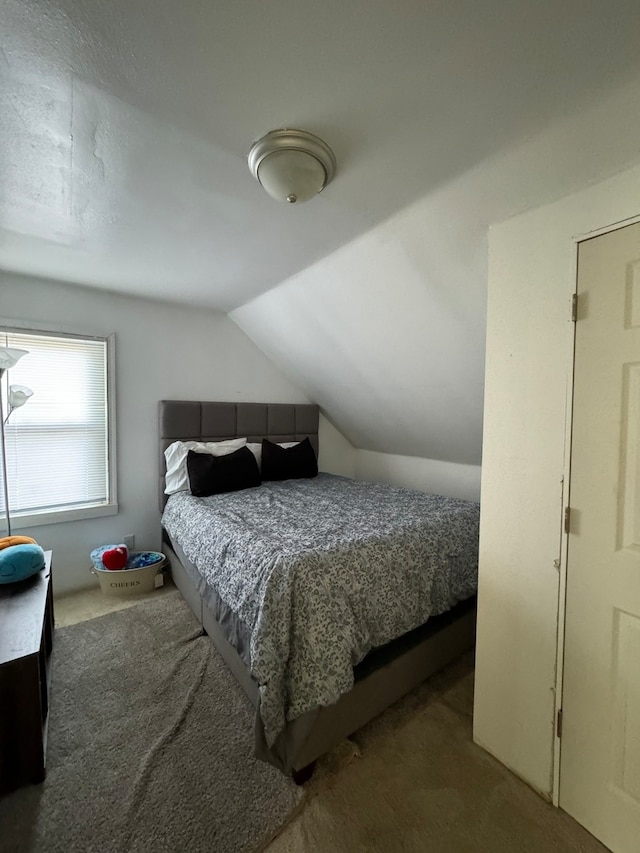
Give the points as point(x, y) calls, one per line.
point(388, 332)
point(124, 130)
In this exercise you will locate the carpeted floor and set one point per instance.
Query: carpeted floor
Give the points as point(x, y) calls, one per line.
point(143, 755)
point(143, 758)
point(413, 781)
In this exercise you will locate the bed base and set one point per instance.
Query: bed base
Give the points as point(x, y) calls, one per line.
point(314, 734)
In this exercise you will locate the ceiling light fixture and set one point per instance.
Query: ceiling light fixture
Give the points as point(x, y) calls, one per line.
point(292, 165)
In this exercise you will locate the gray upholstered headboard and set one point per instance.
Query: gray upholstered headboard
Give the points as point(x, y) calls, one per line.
point(190, 420)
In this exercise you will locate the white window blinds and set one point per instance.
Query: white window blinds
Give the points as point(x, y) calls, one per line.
point(57, 443)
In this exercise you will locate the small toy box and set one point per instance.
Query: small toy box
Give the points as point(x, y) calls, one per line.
point(139, 575)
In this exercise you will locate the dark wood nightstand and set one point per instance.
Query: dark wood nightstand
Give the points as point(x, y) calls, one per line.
point(26, 640)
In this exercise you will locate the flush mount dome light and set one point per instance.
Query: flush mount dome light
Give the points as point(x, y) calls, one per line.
point(292, 165)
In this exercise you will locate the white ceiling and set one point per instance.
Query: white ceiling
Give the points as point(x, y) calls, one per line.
point(125, 125)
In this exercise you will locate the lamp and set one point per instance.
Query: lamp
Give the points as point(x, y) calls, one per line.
point(292, 165)
point(17, 396)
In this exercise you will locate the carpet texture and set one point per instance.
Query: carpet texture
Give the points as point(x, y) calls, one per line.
point(150, 746)
point(413, 781)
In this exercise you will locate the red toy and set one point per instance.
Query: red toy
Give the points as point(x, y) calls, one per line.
point(116, 558)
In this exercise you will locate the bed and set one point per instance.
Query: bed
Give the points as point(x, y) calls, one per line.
point(315, 668)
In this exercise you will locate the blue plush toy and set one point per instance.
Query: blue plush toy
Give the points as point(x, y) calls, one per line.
point(18, 562)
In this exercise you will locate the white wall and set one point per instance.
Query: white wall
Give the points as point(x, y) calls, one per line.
point(336, 455)
point(528, 371)
point(162, 352)
point(426, 475)
point(387, 334)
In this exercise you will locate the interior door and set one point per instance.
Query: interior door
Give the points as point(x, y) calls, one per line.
point(600, 752)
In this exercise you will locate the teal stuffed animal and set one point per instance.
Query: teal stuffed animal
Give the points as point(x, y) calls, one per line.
point(18, 562)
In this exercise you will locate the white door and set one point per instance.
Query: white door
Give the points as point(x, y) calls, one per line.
point(600, 752)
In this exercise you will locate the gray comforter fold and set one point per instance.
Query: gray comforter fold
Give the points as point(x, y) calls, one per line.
point(323, 570)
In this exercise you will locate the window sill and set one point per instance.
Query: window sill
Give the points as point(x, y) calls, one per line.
point(38, 519)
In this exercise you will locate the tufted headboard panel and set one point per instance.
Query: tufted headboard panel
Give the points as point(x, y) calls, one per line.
point(190, 420)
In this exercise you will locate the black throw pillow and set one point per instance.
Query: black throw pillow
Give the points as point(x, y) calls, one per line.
point(288, 463)
point(213, 475)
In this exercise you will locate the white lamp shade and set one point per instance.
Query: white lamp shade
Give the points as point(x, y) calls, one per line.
point(10, 356)
point(292, 176)
point(18, 395)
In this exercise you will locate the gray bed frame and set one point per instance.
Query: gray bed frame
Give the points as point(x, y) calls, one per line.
point(383, 677)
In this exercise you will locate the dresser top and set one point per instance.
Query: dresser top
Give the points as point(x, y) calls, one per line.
point(22, 608)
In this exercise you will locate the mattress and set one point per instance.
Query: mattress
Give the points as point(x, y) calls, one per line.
point(318, 572)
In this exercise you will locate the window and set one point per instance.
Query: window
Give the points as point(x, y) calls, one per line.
point(58, 462)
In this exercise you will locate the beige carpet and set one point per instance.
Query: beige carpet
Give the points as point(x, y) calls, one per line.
point(414, 782)
point(91, 602)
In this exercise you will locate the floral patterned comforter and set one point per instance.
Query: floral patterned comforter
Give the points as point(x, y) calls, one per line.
point(323, 570)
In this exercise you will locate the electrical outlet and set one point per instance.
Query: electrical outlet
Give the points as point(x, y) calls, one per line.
point(130, 541)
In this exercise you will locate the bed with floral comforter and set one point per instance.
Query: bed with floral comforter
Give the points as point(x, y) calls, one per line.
point(321, 571)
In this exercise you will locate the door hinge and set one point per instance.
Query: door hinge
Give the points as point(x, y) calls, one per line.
point(567, 519)
point(559, 723)
point(574, 308)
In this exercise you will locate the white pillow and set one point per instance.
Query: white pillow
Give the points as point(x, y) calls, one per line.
point(176, 478)
point(256, 449)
